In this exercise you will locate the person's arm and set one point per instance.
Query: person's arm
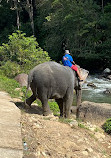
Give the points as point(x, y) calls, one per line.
point(73, 63)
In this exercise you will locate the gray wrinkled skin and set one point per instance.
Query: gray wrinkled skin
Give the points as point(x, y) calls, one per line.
point(51, 80)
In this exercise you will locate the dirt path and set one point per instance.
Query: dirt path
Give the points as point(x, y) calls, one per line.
point(48, 137)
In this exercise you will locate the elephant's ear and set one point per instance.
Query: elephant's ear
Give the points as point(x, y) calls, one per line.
point(84, 73)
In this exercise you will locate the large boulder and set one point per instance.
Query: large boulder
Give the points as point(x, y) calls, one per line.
point(22, 79)
point(106, 73)
point(109, 77)
point(91, 85)
point(107, 91)
point(96, 113)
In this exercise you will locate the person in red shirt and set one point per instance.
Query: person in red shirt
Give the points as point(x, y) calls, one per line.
point(68, 61)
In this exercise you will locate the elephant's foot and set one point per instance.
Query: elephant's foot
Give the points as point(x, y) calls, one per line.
point(30, 100)
point(47, 113)
point(67, 116)
point(61, 115)
point(27, 103)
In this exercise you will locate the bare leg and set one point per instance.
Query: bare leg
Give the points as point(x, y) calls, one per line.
point(80, 77)
point(75, 68)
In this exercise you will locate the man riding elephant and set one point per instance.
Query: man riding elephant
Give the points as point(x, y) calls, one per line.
point(68, 61)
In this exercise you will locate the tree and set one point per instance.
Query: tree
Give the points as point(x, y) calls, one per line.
point(7, 21)
point(70, 22)
point(24, 51)
point(77, 25)
point(83, 26)
point(18, 6)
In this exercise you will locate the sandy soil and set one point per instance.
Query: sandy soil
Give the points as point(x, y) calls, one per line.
point(50, 138)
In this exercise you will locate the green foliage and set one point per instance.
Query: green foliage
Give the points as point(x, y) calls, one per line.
point(83, 126)
point(73, 22)
point(64, 120)
point(84, 27)
point(12, 87)
point(9, 85)
point(107, 126)
point(7, 21)
point(23, 52)
point(24, 95)
point(54, 107)
point(10, 69)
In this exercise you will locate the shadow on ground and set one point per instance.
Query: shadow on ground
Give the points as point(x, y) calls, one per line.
point(34, 109)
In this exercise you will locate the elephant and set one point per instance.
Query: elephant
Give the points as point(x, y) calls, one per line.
point(51, 80)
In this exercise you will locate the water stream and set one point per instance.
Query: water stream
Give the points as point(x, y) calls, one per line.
point(96, 94)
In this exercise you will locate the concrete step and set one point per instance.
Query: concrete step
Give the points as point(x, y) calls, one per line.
point(10, 129)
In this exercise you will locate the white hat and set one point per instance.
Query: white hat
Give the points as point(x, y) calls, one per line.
point(67, 52)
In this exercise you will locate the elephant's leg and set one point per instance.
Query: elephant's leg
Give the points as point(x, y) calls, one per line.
point(60, 103)
point(67, 105)
point(45, 106)
point(30, 100)
point(78, 96)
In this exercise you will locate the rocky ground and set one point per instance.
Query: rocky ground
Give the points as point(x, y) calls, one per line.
point(50, 137)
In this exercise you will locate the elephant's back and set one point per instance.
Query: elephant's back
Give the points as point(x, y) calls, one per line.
point(51, 72)
point(53, 68)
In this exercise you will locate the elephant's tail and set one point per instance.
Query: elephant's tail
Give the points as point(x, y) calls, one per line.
point(29, 80)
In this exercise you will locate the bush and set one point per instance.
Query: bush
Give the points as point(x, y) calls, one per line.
point(10, 69)
point(107, 126)
point(23, 51)
point(54, 107)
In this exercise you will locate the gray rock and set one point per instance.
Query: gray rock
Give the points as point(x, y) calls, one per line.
point(22, 79)
point(91, 85)
point(107, 91)
point(85, 153)
point(73, 109)
point(107, 70)
point(74, 123)
point(96, 113)
point(109, 77)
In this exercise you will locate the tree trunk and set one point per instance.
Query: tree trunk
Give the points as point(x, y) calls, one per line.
point(18, 20)
point(30, 11)
point(103, 6)
point(17, 10)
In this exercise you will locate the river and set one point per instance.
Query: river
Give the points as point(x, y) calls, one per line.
point(96, 94)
